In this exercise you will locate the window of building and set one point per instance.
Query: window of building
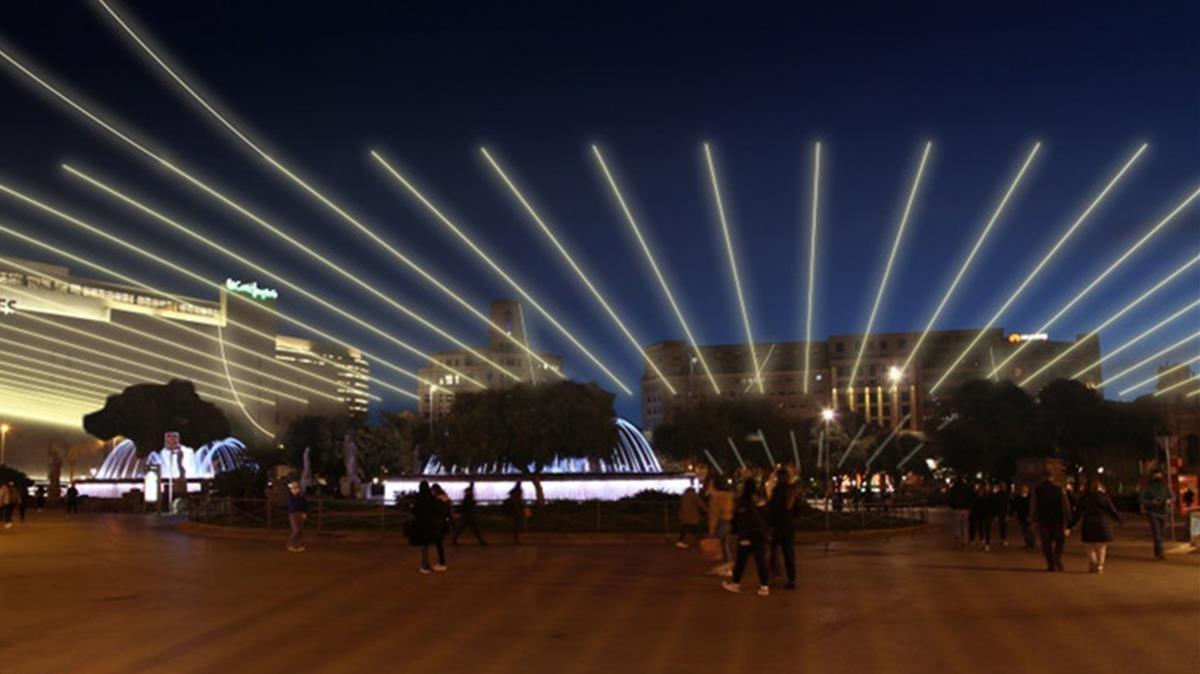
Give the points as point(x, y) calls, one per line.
point(840, 347)
point(902, 344)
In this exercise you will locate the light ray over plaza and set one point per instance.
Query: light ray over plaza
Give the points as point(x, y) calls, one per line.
point(1149, 359)
point(183, 271)
point(887, 270)
point(733, 268)
point(1145, 333)
point(1158, 375)
point(533, 214)
point(1103, 275)
point(1041, 265)
point(812, 262)
point(391, 170)
point(262, 222)
point(662, 281)
point(330, 204)
point(962, 270)
point(1113, 318)
point(1179, 384)
point(241, 259)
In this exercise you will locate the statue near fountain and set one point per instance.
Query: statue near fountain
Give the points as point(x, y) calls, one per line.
point(351, 484)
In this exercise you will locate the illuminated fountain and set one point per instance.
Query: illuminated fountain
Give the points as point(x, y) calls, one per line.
point(123, 470)
point(632, 467)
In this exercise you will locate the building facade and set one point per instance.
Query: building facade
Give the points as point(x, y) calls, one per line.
point(346, 366)
point(437, 387)
point(66, 343)
point(884, 391)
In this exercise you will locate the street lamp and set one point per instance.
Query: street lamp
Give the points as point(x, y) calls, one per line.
point(895, 374)
point(827, 414)
point(4, 429)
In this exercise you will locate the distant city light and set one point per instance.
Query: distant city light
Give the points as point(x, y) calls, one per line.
point(251, 290)
point(827, 414)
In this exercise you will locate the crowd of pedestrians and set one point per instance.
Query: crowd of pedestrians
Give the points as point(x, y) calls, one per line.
point(1048, 513)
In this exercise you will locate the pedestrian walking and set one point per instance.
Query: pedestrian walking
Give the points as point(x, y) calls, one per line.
point(1094, 511)
point(1050, 511)
point(961, 498)
point(515, 505)
point(720, 523)
point(297, 509)
point(39, 496)
point(8, 501)
point(1001, 510)
point(1020, 509)
point(980, 516)
point(466, 516)
point(690, 508)
point(780, 509)
point(1155, 498)
point(443, 524)
point(750, 528)
point(423, 529)
point(22, 502)
point(72, 500)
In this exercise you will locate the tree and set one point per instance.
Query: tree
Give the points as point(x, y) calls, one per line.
point(527, 426)
point(710, 424)
point(323, 437)
point(144, 412)
point(386, 448)
point(996, 424)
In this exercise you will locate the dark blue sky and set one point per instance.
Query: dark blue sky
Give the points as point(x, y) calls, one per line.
point(320, 83)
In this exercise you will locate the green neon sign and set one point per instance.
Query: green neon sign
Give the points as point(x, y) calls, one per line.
point(251, 290)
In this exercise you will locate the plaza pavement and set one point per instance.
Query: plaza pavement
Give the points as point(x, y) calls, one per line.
point(108, 593)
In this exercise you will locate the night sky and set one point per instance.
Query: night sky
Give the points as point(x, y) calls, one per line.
point(321, 83)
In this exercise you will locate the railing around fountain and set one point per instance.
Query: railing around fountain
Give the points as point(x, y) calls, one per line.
point(626, 516)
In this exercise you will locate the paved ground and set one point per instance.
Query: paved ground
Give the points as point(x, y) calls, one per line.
point(120, 594)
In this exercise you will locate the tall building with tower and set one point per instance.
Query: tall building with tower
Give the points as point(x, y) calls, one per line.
point(438, 387)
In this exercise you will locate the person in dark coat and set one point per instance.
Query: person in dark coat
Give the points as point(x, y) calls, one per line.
point(1095, 510)
point(750, 527)
point(1001, 509)
point(515, 505)
point(961, 498)
point(72, 500)
point(783, 527)
point(423, 530)
point(1020, 508)
point(1050, 511)
point(981, 516)
point(466, 516)
point(1155, 499)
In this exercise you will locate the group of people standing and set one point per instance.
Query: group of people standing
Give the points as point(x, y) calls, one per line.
point(757, 522)
point(434, 517)
point(15, 501)
point(1048, 513)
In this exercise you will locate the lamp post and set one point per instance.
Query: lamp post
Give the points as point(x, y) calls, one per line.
point(827, 416)
point(4, 429)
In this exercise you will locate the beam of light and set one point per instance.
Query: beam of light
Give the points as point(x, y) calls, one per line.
point(812, 264)
point(921, 445)
point(72, 377)
point(1112, 319)
point(662, 281)
point(79, 401)
point(195, 331)
point(37, 412)
point(328, 203)
point(533, 214)
point(1146, 361)
point(887, 270)
point(1180, 384)
point(962, 270)
point(1149, 331)
point(795, 447)
point(1044, 261)
point(733, 269)
point(758, 375)
point(766, 448)
point(69, 373)
point(125, 374)
point(180, 269)
point(41, 381)
point(851, 445)
point(391, 170)
point(736, 453)
point(215, 194)
point(1193, 393)
point(887, 441)
point(1095, 282)
point(1150, 380)
point(233, 389)
point(714, 463)
point(129, 361)
point(162, 340)
point(179, 227)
